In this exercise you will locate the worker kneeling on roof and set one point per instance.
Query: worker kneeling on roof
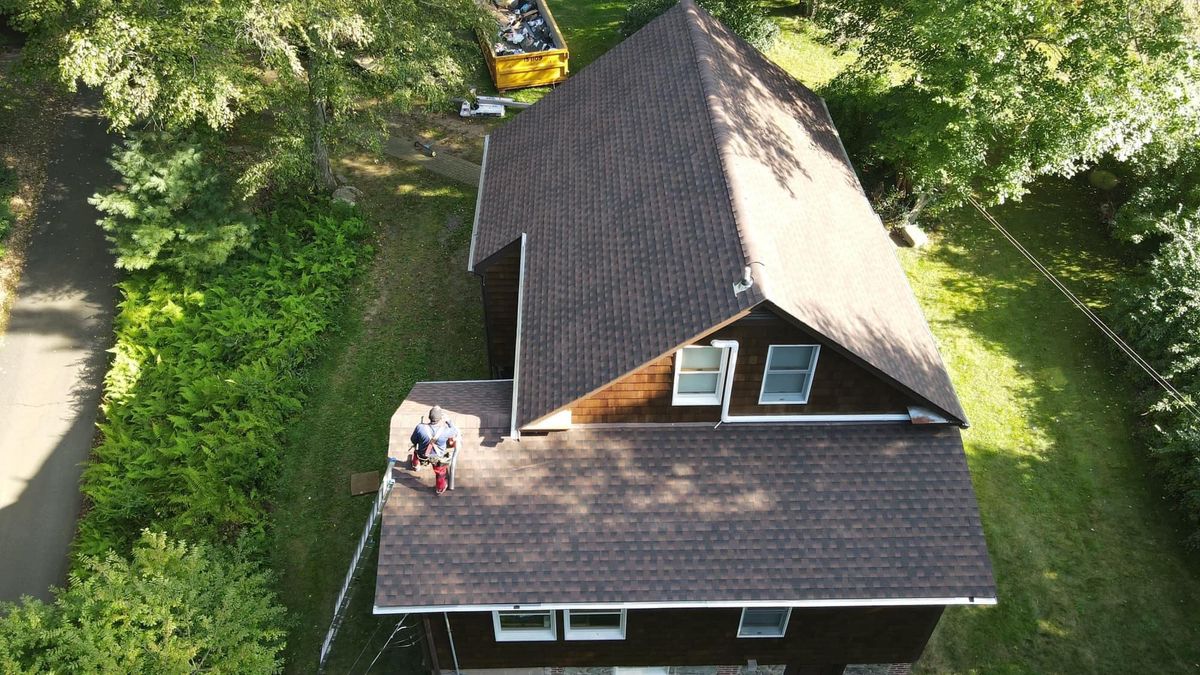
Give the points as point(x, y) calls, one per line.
point(434, 443)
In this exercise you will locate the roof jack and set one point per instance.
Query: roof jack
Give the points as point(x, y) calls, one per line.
point(746, 281)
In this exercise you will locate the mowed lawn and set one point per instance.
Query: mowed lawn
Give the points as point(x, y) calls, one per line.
point(1091, 573)
point(416, 316)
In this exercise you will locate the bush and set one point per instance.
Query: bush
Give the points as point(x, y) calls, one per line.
point(174, 208)
point(207, 369)
point(8, 188)
point(171, 608)
point(747, 19)
point(1158, 312)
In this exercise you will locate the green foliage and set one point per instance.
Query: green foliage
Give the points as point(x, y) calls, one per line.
point(989, 95)
point(171, 608)
point(174, 207)
point(184, 63)
point(747, 19)
point(1159, 313)
point(8, 188)
point(206, 372)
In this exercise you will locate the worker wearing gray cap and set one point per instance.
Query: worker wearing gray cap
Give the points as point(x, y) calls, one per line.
point(433, 443)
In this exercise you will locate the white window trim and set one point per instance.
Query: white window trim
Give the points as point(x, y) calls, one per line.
point(787, 618)
point(699, 399)
point(525, 634)
point(593, 633)
point(812, 374)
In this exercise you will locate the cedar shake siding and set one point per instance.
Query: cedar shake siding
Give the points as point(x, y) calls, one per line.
point(500, 277)
point(697, 637)
point(839, 385)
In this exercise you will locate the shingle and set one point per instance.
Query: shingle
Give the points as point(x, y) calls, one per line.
point(680, 513)
point(651, 179)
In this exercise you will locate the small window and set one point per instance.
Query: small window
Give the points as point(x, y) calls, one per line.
point(789, 374)
point(517, 626)
point(587, 624)
point(699, 375)
point(764, 622)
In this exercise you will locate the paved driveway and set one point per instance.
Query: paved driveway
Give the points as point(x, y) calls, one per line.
point(52, 363)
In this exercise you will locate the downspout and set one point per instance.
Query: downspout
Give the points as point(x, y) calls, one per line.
point(726, 418)
point(450, 634)
point(732, 346)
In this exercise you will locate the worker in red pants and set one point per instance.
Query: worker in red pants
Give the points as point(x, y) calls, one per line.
point(434, 443)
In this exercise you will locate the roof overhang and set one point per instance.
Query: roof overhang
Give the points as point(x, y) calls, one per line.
point(797, 604)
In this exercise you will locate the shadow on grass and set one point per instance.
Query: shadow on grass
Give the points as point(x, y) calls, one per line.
point(1091, 573)
point(417, 315)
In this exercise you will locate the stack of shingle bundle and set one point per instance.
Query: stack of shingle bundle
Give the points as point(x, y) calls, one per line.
point(521, 28)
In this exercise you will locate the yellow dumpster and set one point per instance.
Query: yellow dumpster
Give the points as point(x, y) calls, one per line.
point(531, 69)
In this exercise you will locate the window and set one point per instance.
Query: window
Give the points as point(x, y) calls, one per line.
point(789, 374)
point(522, 626)
point(588, 624)
point(764, 622)
point(699, 375)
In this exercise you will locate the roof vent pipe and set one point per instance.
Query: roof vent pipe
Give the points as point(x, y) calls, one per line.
point(747, 279)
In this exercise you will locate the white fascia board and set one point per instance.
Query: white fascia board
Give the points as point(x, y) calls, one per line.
point(716, 604)
point(514, 432)
point(478, 202)
point(888, 417)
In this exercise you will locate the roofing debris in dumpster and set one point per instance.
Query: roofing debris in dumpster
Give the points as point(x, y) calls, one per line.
point(522, 28)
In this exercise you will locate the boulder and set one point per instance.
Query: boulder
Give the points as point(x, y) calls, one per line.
point(347, 193)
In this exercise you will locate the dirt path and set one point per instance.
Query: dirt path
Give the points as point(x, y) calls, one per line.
point(52, 361)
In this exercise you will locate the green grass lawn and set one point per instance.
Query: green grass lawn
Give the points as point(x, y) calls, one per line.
point(417, 316)
point(1091, 573)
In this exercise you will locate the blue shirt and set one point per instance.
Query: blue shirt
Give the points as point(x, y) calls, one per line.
point(440, 433)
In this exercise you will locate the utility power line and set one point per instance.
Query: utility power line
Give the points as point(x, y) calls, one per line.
point(1129, 351)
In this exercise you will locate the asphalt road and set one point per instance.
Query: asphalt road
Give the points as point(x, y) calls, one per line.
point(52, 362)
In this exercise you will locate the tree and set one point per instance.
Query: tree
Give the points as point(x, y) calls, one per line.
point(747, 19)
point(173, 208)
point(1158, 311)
point(984, 96)
point(171, 608)
point(307, 65)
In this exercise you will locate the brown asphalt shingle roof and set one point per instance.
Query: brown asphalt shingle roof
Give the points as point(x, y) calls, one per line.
point(647, 183)
point(671, 513)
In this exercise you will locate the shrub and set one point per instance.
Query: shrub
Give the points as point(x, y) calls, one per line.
point(747, 19)
point(8, 188)
point(1158, 312)
point(207, 369)
point(171, 608)
point(174, 207)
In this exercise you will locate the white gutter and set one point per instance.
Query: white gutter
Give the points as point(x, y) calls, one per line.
point(726, 418)
point(698, 604)
point(513, 431)
point(478, 201)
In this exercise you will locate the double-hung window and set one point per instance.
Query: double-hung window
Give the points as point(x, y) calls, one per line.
point(764, 622)
point(525, 626)
point(699, 375)
point(594, 624)
point(789, 374)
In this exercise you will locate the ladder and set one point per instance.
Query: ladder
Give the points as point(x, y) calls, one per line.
point(364, 542)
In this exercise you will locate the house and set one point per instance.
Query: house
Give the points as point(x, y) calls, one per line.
point(720, 435)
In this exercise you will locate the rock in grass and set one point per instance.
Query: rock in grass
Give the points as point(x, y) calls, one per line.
point(347, 193)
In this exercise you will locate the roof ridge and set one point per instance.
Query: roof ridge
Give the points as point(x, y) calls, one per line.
point(722, 130)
